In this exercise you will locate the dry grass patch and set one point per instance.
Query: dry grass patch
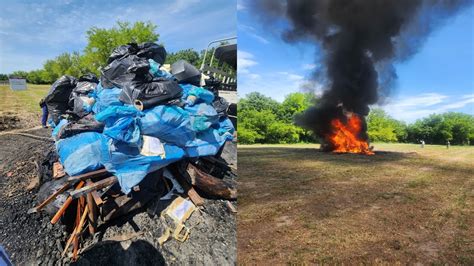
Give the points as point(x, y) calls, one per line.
point(405, 204)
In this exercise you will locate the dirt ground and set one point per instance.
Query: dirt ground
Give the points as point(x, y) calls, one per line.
point(402, 205)
point(30, 239)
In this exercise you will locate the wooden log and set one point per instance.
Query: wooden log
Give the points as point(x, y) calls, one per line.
point(211, 185)
point(97, 199)
point(66, 204)
point(49, 199)
point(97, 185)
point(97, 173)
point(92, 212)
point(76, 231)
point(183, 179)
point(75, 240)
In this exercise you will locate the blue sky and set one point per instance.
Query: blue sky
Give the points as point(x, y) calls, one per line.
point(33, 31)
point(439, 78)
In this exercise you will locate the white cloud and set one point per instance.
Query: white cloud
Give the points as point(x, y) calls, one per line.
point(245, 60)
point(252, 32)
point(426, 99)
point(291, 76)
point(412, 108)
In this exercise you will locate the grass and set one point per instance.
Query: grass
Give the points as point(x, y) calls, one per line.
point(25, 101)
point(405, 204)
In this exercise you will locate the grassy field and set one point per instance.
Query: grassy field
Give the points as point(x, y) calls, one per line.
point(22, 101)
point(404, 204)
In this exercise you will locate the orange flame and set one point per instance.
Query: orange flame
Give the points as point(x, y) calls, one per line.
point(344, 138)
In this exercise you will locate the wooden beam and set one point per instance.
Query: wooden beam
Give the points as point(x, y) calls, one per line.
point(66, 204)
point(97, 173)
point(183, 179)
point(210, 185)
point(92, 211)
point(76, 231)
point(97, 185)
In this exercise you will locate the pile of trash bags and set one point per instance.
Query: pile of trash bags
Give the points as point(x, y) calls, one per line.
point(137, 117)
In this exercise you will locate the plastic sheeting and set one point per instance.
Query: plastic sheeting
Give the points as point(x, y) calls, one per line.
point(105, 98)
point(131, 167)
point(83, 152)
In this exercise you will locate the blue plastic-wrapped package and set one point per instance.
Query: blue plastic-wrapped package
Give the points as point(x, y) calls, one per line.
point(200, 94)
point(202, 116)
point(105, 98)
point(225, 125)
point(169, 123)
point(131, 167)
point(83, 152)
point(121, 123)
point(207, 143)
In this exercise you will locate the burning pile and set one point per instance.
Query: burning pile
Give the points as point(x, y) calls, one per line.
point(345, 136)
point(359, 42)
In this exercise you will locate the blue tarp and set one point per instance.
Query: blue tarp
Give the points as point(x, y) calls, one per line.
point(202, 95)
point(105, 98)
point(131, 167)
point(171, 124)
point(83, 152)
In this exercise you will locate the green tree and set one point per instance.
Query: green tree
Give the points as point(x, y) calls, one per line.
point(19, 74)
point(3, 77)
point(458, 128)
point(295, 103)
point(101, 41)
point(35, 77)
point(189, 55)
point(259, 102)
point(380, 126)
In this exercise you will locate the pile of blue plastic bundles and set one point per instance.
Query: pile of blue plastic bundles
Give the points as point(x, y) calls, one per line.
point(83, 152)
point(192, 130)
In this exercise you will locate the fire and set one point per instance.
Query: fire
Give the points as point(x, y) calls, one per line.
point(344, 138)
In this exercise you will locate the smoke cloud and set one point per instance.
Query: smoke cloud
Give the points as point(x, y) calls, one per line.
point(360, 41)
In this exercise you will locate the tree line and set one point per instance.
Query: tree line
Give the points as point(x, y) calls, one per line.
point(264, 120)
point(100, 43)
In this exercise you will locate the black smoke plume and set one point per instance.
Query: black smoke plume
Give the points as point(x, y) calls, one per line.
point(360, 41)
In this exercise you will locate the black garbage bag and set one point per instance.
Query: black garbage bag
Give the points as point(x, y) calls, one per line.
point(146, 50)
point(123, 70)
point(57, 98)
point(184, 72)
point(151, 50)
point(78, 99)
point(90, 77)
point(123, 50)
point(212, 84)
point(148, 93)
point(81, 104)
point(85, 124)
point(221, 106)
